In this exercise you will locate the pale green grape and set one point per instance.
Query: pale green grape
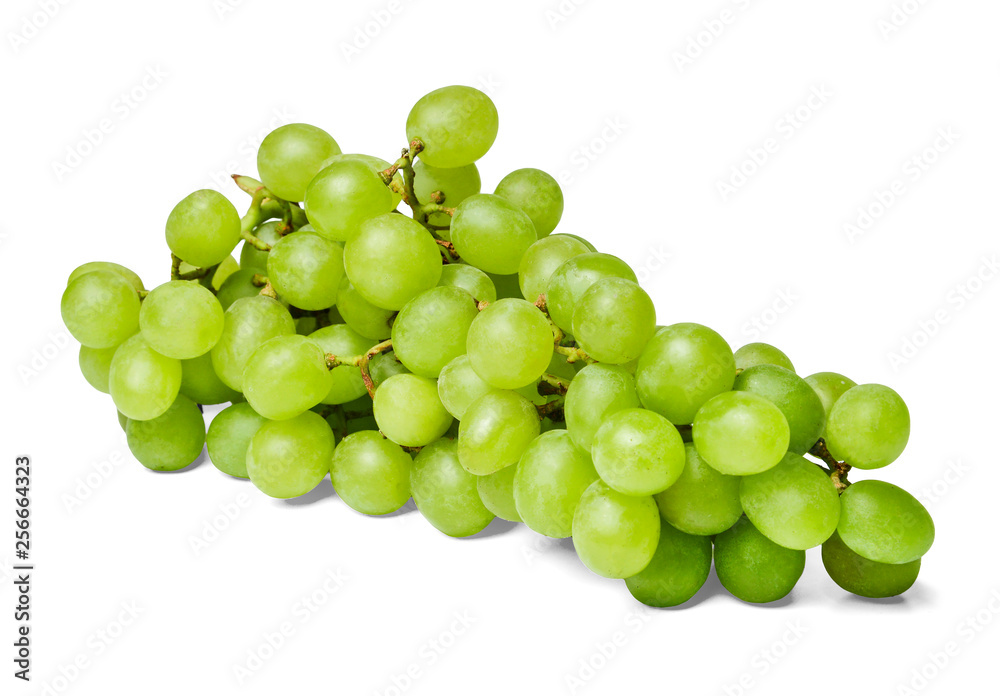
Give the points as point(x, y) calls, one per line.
point(456, 184)
point(172, 440)
point(361, 315)
point(229, 437)
point(100, 309)
point(537, 194)
point(752, 567)
point(91, 266)
point(383, 366)
point(344, 195)
point(95, 364)
point(614, 320)
point(491, 233)
point(569, 281)
point(285, 376)
point(203, 229)
point(409, 411)
point(542, 259)
point(142, 383)
point(181, 319)
point(456, 124)
point(829, 386)
point(200, 383)
point(291, 155)
point(431, 329)
point(679, 568)
point(868, 427)
point(638, 452)
point(701, 501)
point(371, 474)
point(445, 493)
point(590, 247)
point(306, 325)
point(289, 458)
point(497, 493)
point(597, 392)
point(252, 258)
point(459, 386)
point(761, 354)
point(305, 269)
point(548, 481)
point(495, 430)
point(681, 368)
point(345, 380)
point(866, 578)
point(510, 344)
point(122, 420)
point(214, 281)
point(884, 523)
point(249, 322)
point(800, 405)
point(470, 279)
point(740, 433)
point(376, 164)
point(239, 284)
point(615, 535)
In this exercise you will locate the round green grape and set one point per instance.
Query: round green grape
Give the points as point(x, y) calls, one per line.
point(340, 340)
point(495, 430)
point(615, 535)
point(884, 523)
point(537, 194)
point(638, 452)
point(383, 366)
point(285, 376)
point(200, 383)
point(92, 266)
point(343, 196)
point(740, 433)
point(868, 427)
point(289, 458)
point(829, 386)
point(510, 344)
point(376, 164)
point(250, 321)
point(597, 392)
point(371, 474)
point(291, 155)
point(181, 319)
point(361, 315)
point(459, 386)
point(456, 184)
point(497, 493)
point(679, 568)
point(305, 269)
point(431, 329)
point(701, 501)
point(800, 405)
point(569, 281)
point(100, 309)
point(409, 411)
point(229, 437)
point(548, 482)
point(470, 279)
point(142, 383)
point(238, 285)
point(203, 229)
point(457, 125)
point(95, 364)
point(542, 259)
point(491, 233)
point(614, 320)
point(761, 354)
point(752, 567)
point(172, 440)
point(253, 259)
point(865, 578)
point(445, 493)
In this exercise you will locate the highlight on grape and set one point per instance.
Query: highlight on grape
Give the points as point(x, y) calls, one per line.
point(474, 357)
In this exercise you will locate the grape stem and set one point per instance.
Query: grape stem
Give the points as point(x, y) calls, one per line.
point(837, 470)
point(366, 376)
point(574, 354)
point(448, 252)
point(266, 206)
point(552, 384)
point(333, 361)
point(553, 410)
point(268, 291)
point(259, 280)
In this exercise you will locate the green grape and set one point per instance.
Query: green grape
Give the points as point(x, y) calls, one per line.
point(752, 567)
point(590, 247)
point(495, 430)
point(305, 269)
point(866, 578)
point(740, 433)
point(253, 259)
point(200, 383)
point(884, 523)
point(371, 474)
point(456, 184)
point(392, 260)
point(793, 504)
point(142, 383)
point(95, 364)
point(497, 493)
point(597, 392)
point(100, 309)
point(638, 452)
point(445, 493)
point(409, 411)
point(615, 535)
point(470, 279)
point(344, 195)
point(229, 438)
point(172, 440)
point(800, 405)
point(868, 427)
point(383, 366)
point(291, 155)
point(614, 320)
point(289, 458)
point(679, 568)
point(181, 319)
point(361, 315)
point(491, 234)
point(510, 344)
point(702, 501)
point(285, 376)
point(548, 481)
point(459, 386)
point(203, 229)
point(306, 325)
point(537, 194)
point(681, 368)
point(214, 281)
point(345, 380)
point(456, 124)
point(569, 281)
point(761, 354)
point(829, 386)
point(542, 259)
point(376, 164)
point(91, 266)
point(431, 329)
point(250, 321)
point(238, 285)
point(122, 420)
point(506, 286)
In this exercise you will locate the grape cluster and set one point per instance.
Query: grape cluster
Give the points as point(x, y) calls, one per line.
point(469, 358)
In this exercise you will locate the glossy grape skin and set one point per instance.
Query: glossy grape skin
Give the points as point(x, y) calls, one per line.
point(285, 376)
point(383, 366)
point(343, 196)
point(597, 392)
point(122, 420)
point(200, 383)
point(445, 493)
point(542, 259)
point(615, 535)
point(289, 458)
point(92, 266)
point(229, 436)
point(181, 319)
point(510, 344)
point(456, 124)
point(800, 405)
point(361, 315)
point(496, 490)
point(470, 279)
point(214, 280)
point(884, 523)
point(495, 430)
point(371, 474)
point(537, 194)
point(574, 277)
point(638, 452)
point(431, 329)
point(305, 269)
point(345, 380)
point(761, 354)
point(740, 433)
point(456, 184)
point(238, 285)
point(203, 229)
point(679, 568)
point(409, 412)
point(376, 164)
point(100, 309)
point(701, 501)
point(459, 386)
point(391, 260)
point(95, 364)
point(752, 567)
point(254, 259)
point(829, 386)
point(863, 577)
point(142, 383)
point(868, 427)
point(491, 233)
point(291, 155)
point(590, 247)
point(250, 321)
point(172, 440)
point(681, 368)
point(794, 504)
point(549, 480)
point(614, 320)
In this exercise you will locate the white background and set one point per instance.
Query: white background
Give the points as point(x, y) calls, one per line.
point(769, 261)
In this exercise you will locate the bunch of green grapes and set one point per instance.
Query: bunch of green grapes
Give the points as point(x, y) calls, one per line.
point(475, 359)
